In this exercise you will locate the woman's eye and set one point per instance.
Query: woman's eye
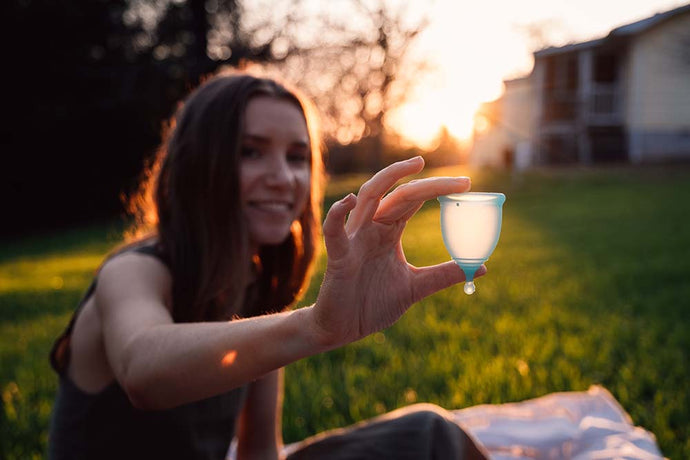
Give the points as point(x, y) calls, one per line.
point(298, 157)
point(250, 152)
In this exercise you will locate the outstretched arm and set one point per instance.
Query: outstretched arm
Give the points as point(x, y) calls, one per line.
point(368, 285)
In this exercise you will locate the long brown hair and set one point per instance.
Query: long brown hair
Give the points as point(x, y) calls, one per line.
point(190, 201)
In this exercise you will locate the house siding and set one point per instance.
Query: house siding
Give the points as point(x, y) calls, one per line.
point(658, 108)
point(507, 141)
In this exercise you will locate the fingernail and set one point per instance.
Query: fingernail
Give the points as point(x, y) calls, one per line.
point(415, 158)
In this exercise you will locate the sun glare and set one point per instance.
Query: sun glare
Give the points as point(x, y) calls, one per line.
point(454, 106)
point(468, 65)
point(474, 49)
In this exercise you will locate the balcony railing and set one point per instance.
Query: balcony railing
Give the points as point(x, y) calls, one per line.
point(604, 104)
point(560, 106)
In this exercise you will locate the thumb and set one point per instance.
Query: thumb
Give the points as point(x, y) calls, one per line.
point(429, 280)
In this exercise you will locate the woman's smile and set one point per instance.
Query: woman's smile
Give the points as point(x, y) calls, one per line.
point(271, 206)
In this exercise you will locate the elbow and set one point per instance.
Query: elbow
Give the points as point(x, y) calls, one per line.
point(149, 389)
point(140, 392)
point(139, 384)
point(140, 398)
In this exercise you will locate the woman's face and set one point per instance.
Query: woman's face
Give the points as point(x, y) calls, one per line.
point(275, 169)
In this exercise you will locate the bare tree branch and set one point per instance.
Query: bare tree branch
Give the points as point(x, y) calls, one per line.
point(352, 57)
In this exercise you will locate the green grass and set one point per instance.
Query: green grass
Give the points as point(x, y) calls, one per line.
point(588, 285)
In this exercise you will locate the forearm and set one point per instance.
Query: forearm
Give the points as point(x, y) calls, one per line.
point(259, 431)
point(169, 365)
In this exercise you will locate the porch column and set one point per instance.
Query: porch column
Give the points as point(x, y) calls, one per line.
point(537, 82)
point(584, 97)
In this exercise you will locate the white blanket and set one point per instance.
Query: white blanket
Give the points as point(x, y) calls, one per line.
point(569, 425)
point(578, 425)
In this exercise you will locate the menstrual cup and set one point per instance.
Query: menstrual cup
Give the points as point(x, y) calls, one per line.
point(471, 225)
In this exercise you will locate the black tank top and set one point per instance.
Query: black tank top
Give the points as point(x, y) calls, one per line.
point(105, 425)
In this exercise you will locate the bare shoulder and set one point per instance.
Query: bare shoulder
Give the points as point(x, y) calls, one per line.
point(132, 294)
point(142, 264)
point(133, 275)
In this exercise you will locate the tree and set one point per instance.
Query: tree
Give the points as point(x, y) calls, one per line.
point(359, 69)
point(200, 36)
point(353, 58)
point(72, 77)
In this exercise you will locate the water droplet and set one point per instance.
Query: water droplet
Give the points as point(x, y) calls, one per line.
point(469, 288)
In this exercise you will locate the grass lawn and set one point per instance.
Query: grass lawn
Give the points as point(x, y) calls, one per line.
point(588, 285)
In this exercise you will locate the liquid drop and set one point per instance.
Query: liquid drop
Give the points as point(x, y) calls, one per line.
point(469, 288)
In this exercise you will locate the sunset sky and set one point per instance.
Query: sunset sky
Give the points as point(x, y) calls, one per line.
point(476, 45)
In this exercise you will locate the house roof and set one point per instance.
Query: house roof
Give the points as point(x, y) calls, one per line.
point(646, 24)
point(624, 31)
point(516, 80)
point(551, 50)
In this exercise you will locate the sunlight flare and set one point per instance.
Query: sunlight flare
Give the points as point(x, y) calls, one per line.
point(229, 358)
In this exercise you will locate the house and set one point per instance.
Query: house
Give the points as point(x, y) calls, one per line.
point(624, 97)
point(504, 128)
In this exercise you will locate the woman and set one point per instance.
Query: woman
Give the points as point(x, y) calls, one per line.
point(178, 344)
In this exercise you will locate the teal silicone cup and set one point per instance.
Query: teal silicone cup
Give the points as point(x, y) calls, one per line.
point(471, 225)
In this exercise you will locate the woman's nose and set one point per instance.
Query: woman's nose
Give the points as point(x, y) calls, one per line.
point(280, 173)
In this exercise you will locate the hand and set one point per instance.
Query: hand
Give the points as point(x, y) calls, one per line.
point(368, 284)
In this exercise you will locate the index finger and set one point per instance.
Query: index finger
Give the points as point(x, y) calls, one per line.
point(405, 200)
point(371, 192)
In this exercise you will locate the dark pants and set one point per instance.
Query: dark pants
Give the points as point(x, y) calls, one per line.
point(418, 432)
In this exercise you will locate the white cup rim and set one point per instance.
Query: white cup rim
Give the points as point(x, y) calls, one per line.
point(475, 197)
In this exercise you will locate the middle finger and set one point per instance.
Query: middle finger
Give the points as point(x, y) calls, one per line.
point(405, 200)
